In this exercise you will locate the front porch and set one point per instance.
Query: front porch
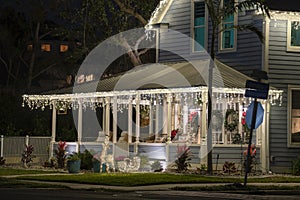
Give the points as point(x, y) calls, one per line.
point(154, 122)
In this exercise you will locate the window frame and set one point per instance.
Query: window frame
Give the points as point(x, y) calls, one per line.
point(193, 27)
point(220, 40)
point(289, 32)
point(291, 144)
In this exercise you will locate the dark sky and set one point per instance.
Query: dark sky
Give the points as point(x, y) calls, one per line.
point(285, 5)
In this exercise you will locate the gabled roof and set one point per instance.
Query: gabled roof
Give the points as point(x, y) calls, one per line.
point(163, 75)
point(275, 5)
point(159, 12)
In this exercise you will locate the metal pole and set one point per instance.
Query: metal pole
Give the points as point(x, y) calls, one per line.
point(254, 112)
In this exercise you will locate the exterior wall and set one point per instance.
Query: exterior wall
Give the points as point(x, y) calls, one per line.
point(247, 57)
point(284, 69)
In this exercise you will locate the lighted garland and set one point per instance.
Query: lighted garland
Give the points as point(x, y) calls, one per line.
point(231, 124)
point(217, 119)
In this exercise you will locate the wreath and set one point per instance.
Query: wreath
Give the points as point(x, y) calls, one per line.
point(231, 120)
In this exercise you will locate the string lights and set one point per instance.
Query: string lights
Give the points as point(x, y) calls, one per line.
point(191, 95)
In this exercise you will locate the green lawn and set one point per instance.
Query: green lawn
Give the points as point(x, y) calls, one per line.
point(11, 171)
point(135, 179)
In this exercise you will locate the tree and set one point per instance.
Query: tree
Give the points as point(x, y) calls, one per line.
point(217, 13)
point(95, 20)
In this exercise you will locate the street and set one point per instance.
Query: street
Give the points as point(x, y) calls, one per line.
point(64, 194)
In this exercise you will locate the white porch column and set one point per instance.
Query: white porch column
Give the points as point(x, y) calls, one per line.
point(130, 121)
point(176, 123)
point(203, 117)
point(150, 119)
point(185, 119)
point(107, 115)
point(137, 118)
point(157, 106)
point(169, 117)
point(2, 143)
point(79, 128)
point(165, 117)
point(115, 119)
point(264, 147)
point(53, 131)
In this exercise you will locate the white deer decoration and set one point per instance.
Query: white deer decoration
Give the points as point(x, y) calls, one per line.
point(108, 159)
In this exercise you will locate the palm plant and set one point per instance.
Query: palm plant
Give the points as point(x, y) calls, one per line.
point(217, 13)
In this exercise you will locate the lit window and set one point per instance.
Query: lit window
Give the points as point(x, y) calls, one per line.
point(89, 78)
point(63, 48)
point(293, 37)
point(228, 34)
point(80, 79)
point(29, 47)
point(294, 133)
point(199, 26)
point(46, 47)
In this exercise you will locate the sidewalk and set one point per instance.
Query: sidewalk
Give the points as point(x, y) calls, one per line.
point(160, 187)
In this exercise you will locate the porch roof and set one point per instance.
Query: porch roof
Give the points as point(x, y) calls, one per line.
point(158, 78)
point(149, 75)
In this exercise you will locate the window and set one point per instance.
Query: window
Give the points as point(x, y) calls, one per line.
point(63, 48)
point(46, 47)
point(228, 35)
point(294, 115)
point(199, 31)
point(293, 37)
point(29, 47)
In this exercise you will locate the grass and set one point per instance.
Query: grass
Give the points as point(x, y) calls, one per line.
point(11, 171)
point(13, 183)
point(251, 189)
point(136, 179)
point(139, 179)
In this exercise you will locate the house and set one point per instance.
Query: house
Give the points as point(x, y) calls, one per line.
point(243, 51)
point(149, 103)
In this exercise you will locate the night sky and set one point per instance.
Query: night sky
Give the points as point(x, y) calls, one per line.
point(286, 5)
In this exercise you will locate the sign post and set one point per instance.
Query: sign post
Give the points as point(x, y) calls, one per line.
point(255, 90)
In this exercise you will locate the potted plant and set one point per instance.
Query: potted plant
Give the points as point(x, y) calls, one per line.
point(73, 163)
point(96, 162)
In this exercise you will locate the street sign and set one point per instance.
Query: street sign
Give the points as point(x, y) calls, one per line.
point(257, 89)
point(259, 115)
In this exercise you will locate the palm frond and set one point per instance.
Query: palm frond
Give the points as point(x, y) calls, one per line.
point(252, 4)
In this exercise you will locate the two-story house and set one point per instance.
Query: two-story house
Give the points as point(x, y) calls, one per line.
point(157, 119)
point(243, 51)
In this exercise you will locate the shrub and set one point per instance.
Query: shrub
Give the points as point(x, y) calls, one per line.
point(61, 154)
point(86, 160)
point(2, 161)
point(73, 157)
point(184, 157)
point(229, 167)
point(27, 155)
point(49, 163)
point(156, 166)
point(296, 167)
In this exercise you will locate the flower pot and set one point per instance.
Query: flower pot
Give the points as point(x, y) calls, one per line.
point(96, 166)
point(73, 166)
point(103, 167)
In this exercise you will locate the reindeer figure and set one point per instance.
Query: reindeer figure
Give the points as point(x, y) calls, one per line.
point(108, 159)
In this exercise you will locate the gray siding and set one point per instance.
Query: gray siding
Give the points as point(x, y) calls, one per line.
point(247, 57)
point(284, 69)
